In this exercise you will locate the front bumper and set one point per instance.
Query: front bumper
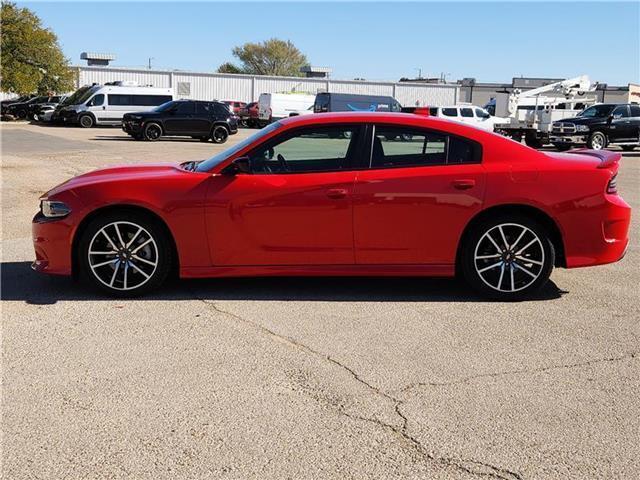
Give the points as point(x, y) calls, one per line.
point(68, 116)
point(52, 244)
point(577, 139)
point(131, 127)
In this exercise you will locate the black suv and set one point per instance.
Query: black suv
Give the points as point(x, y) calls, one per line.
point(187, 118)
point(598, 127)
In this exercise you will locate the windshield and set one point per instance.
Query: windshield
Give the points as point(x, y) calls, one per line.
point(164, 107)
point(596, 111)
point(222, 156)
point(74, 98)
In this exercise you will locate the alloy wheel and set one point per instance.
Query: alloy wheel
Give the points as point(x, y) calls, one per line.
point(123, 255)
point(597, 142)
point(153, 132)
point(509, 257)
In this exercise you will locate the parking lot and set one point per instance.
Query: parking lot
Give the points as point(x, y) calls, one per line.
point(305, 378)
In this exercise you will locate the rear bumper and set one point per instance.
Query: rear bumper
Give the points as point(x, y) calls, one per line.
point(598, 239)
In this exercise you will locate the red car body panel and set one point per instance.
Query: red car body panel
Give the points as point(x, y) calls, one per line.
point(396, 221)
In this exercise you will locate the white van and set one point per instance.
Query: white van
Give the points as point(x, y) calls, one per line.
point(275, 106)
point(469, 114)
point(106, 104)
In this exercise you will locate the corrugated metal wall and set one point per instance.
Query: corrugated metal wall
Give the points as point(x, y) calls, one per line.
point(247, 88)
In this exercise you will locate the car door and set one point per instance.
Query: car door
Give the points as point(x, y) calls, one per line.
point(295, 208)
point(413, 202)
point(179, 120)
point(98, 107)
point(621, 127)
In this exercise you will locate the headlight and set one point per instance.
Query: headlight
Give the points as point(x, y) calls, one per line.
point(137, 118)
point(53, 209)
point(582, 128)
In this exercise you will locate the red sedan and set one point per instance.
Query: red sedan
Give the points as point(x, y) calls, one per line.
point(362, 194)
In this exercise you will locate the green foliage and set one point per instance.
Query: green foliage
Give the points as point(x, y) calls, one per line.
point(271, 57)
point(228, 67)
point(32, 60)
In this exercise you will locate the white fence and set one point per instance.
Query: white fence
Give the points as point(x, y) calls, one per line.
point(247, 88)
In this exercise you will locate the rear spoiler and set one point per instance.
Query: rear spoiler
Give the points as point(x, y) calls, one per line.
point(606, 157)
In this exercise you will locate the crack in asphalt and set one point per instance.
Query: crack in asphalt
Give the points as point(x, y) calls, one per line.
point(468, 466)
point(469, 379)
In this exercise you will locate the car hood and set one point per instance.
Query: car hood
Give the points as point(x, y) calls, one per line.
point(119, 174)
point(582, 120)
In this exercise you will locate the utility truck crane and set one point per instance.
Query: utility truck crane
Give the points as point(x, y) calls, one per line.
point(530, 113)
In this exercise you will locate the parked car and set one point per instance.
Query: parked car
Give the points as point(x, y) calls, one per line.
point(106, 104)
point(44, 112)
point(276, 106)
point(469, 114)
point(347, 102)
point(21, 110)
point(234, 106)
point(598, 127)
point(21, 99)
point(34, 106)
point(248, 115)
point(303, 197)
point(190, 118)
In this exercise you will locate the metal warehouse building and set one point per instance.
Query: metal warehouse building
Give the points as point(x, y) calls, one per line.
point(247, 88)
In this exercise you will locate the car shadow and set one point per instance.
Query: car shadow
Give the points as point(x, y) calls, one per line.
point(160, 140)
point(20, 283)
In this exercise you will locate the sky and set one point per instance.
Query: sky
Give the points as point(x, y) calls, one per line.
point(492, 42)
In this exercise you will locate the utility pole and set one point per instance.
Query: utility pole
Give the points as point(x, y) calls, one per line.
point(150, 58)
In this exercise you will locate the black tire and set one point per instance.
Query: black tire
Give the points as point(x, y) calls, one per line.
point(219, 134)
point(488, 270)
point(21, 114)
point(597, 141)
point(628, 148)
point(152, 132)
point(532, 141)
point(563, 147)
point(159, 251)
point(86, 121)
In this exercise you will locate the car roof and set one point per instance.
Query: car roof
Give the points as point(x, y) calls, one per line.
point(376, 117)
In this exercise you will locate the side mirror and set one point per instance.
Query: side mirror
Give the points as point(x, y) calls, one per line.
point(241, 165)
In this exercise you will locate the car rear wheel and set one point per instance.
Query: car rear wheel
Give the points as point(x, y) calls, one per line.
point(152, 132)
point(219, 134)
point(86, 121)
point(597, 141)
point(125, 254)
point(508, 257)
point(21, 114)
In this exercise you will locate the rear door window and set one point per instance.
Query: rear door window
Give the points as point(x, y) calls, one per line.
point(635, 110)
point(450, 112)
point(399, 146)
point(185, 108)
point(620, 112)
point(466, 112)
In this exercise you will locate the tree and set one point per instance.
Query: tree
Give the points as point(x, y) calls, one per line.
point(32, 60)
point(228, 67)
point(271, 57)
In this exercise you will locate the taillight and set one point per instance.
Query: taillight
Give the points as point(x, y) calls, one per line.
point(612, 186)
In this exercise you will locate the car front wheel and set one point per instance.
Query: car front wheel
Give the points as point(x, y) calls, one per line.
point(219, 134)
point(597, 141)
point(152, 132)
point(125, 254)
point(508, 257)
point(86, 121)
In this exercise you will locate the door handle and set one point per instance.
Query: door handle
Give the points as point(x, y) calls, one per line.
point(465, 184)
point(336, 193)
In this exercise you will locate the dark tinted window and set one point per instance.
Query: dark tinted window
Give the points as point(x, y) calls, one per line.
point(481, 113)
point(97, 100)
point(54, 99)
point(620, 111)
point(316, 149)
point(635, 110)
point(119, 99)
point(321, 104)
point(185, 108)
point(433, 111)
point(221, 109)
point(204, 109)
point(466, 112)
point(450, 112)
point(406, 147)
point(138, 100)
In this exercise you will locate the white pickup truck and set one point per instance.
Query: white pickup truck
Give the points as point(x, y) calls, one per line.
point(469, 114)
